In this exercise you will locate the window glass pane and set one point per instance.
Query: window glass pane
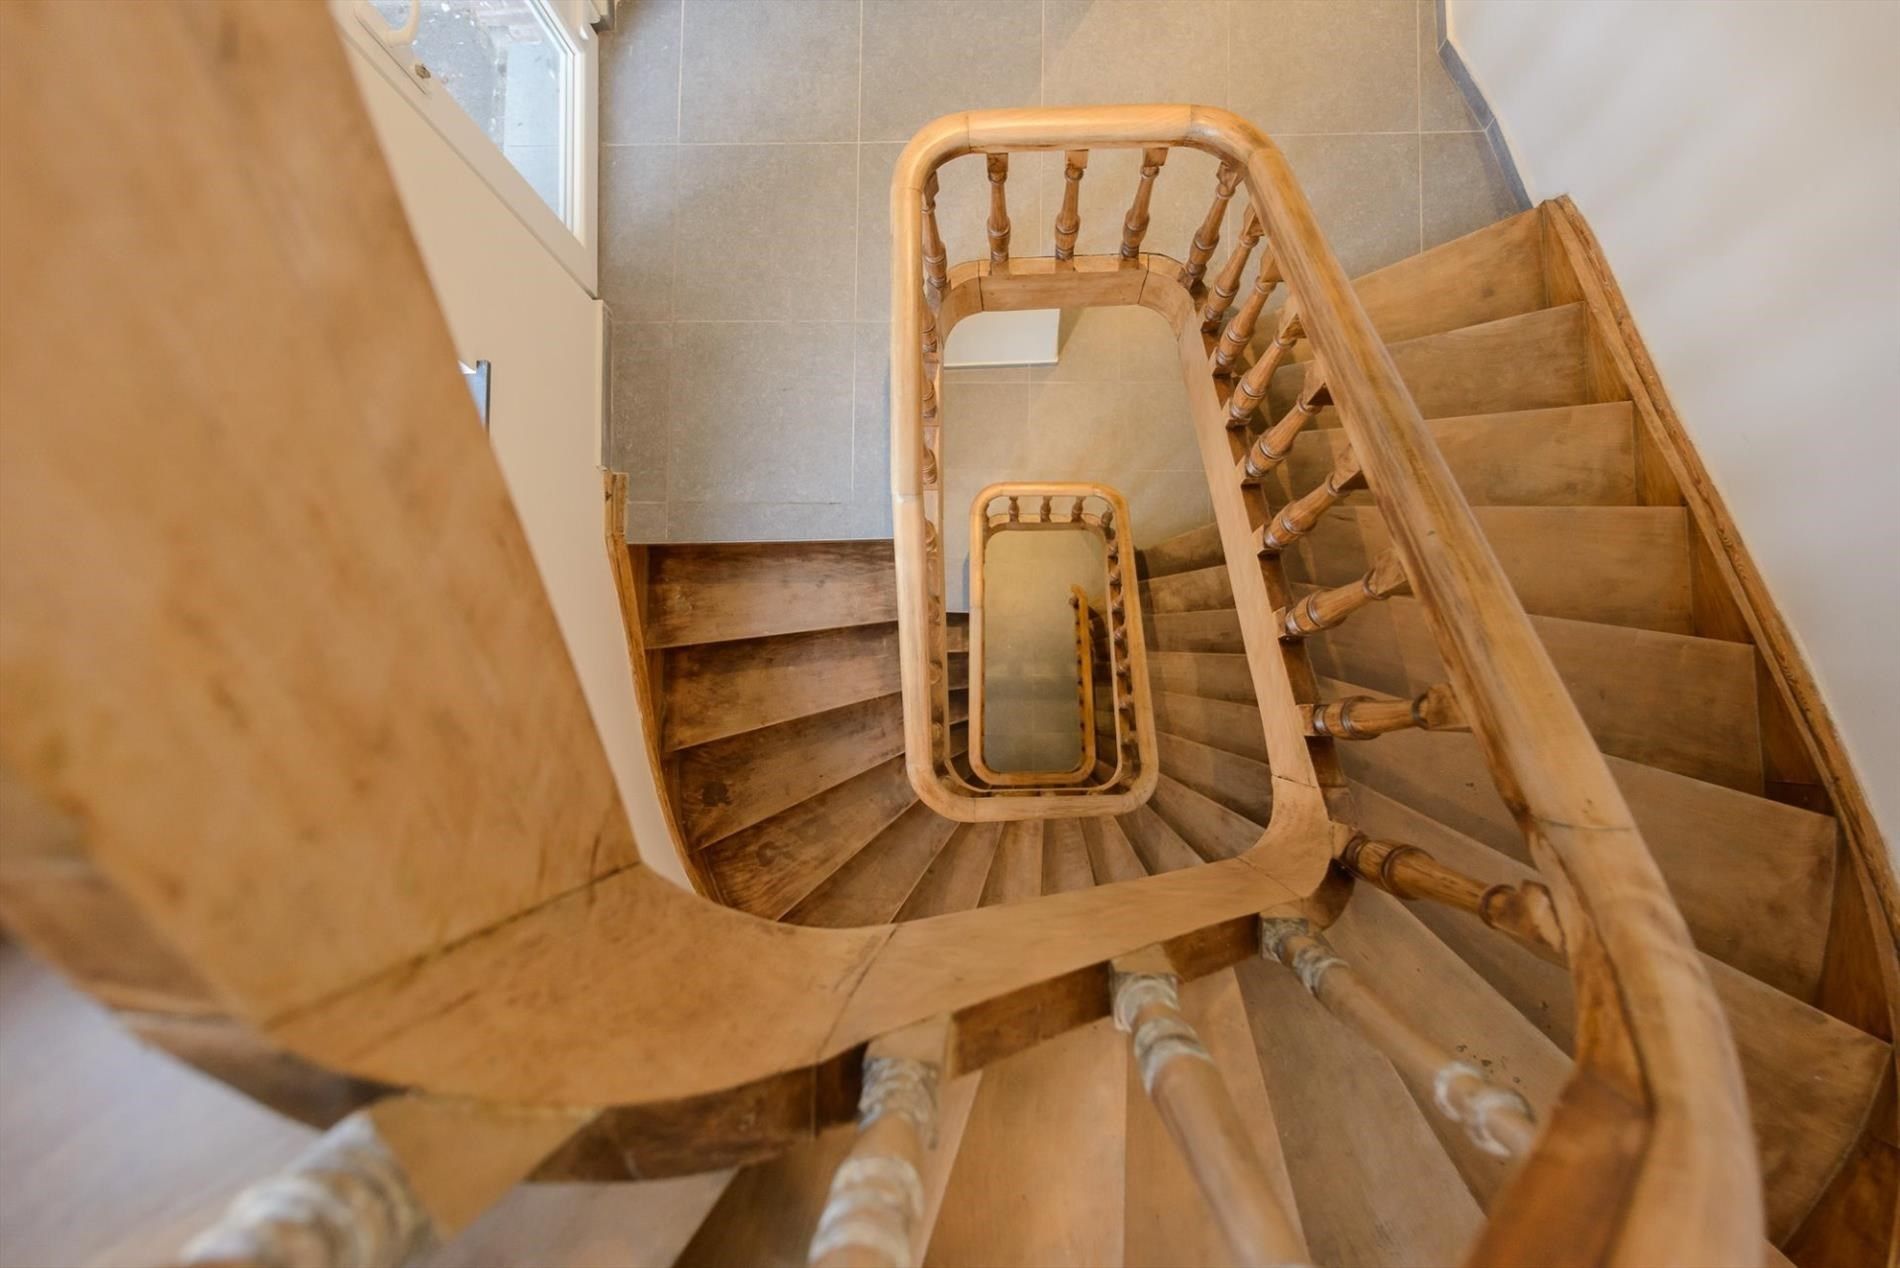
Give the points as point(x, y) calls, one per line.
point(506, 69)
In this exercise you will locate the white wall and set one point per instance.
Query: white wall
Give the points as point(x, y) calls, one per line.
point(510, 303)
point(1740, 163)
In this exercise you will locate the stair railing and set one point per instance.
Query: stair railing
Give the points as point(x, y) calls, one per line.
point(1647, 1156)
point(1125, 777)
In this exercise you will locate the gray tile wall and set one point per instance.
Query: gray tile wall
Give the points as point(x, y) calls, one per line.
point(747, 148)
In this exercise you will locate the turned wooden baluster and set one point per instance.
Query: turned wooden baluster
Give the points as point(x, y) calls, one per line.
point(1497, 1119)
point(1227, 281)
point(931, 347)
point(1298, 517)
point(1324, 609)
point(1198, 1112)
point(1069, 219)
point(877, 1193)
point(1015, 509)
point(1367, 717)
point(1525, 911)
point(1251, 388)
point(1044, 512)
point(928, 403)
point(1239, 332)
point(1135, 226)
point(936, 257)
point(998, 166)
point(1273, 445)
point(1207, 237)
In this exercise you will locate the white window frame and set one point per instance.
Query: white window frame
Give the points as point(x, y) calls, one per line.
point(575, 245)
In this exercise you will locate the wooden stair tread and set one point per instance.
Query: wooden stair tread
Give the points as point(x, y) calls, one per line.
point(1241, 784)
point(1159, 846)
point(1222, 724)
point(1211, 630)
point(1016, 871)
point(1196, 548)
point(723, 689)
point(1571, 455)
point(1811, 1078)
point(1112, 858)
point(1166, 1220)
point(714, 593)
point(1192, 591)
point(1535, 360)
point(1372, 1184)
point(873, 884)
point(1619, 565)
point(954, 880)
point(1212, 830)
point(1673, 701)
point(729, 784)
point(769, 868)
point(1429, 985)
point(1489, 273)
point(1035, 1181)
point(1215, 675)
point(1754, 879)
point(1065, 857)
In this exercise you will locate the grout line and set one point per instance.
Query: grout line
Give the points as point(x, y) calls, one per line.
point(857, 247)
point(679, 82)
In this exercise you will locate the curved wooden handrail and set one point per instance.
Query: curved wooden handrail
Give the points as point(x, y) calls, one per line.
point(1651, 1033)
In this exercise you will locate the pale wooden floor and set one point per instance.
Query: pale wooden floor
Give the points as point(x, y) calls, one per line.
point(113, 1155)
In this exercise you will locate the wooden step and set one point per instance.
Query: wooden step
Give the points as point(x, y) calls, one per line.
point(769, 868)
point(1159, 846)
point(1493, 272)
point(1214, 630)
point(1241, 784)
point(1622, 565)
point(715, 593)
point(1038, 1174)
point(1753, 878)
point(1811, 1079)
point(1536, 360)
point(1222, 724)
point(874, 883)
point(954, 879)
point(1574, 455)
point(733, 783)
point(1192, 591)
point(1373, 1186)
point(1184, 552)
point(1111, 858)
point(1211, 829)
point(1016, 871)
point(1166, 1215)
point(1065, 857)
point(956, 632)
point(723, 689)
point(1672, 701)
point(1430, 986)
point(1216, 675)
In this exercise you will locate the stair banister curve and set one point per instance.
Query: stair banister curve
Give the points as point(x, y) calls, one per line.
point(1655, 1118)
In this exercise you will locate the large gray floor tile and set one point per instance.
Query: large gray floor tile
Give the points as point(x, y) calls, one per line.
point(646, 521)
point(637, 197)
point(640, 406)
point(922, 60)
point(871, 412)
point(1326, 65)
point(640, 74)
point(1464, 189)
point(761, 410)
point(1099, 52)
point(759, 521)
point(770, 70)
point(1441, 105)
point(766, 232)
point(1364, 189)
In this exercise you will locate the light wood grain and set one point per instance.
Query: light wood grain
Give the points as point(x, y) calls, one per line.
point(1239, 783)
point(954, 881)
point(1111, 858)
point(1195, 549)
point(1065, 857)
point(723, 689)
point(1159, 846)
point(1222, 724)
point(1016, 873)
point(1214, 831)
point(874, 883)
point(706, 594)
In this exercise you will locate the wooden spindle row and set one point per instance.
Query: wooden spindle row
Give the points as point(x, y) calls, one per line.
point(1300, 516)
point(1324, 609)
point(1368, 717)
point(1135, 223)
point(1227, 282)
point(1207, 237)
point(1495, 1118)
point(1251, 388)
point(998, 227)
point(936, 256)
point(1069, 219)
point(1525, 912)
point(1240, 327)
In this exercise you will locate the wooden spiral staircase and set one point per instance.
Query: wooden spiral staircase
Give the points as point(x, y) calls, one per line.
point(1502, 895)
